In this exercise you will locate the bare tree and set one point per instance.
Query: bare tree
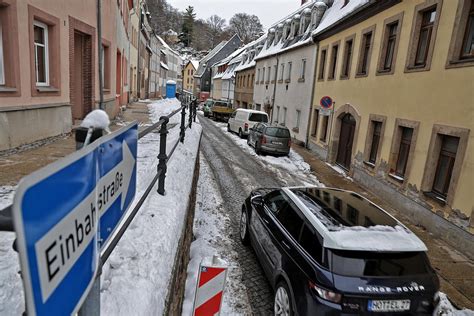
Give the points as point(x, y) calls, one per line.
point(215, 29)
point(247, 26)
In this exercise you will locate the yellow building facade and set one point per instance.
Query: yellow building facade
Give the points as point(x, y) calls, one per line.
point(188, 76)
point(402, 122)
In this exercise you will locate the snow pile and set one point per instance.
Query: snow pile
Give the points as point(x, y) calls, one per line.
point(97, 119)
point(11, 288)
point(445, 308)
point(374, 238)
point(211, 232)
point(136, 277)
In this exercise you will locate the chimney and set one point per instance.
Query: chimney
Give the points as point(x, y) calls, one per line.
point(303, 1)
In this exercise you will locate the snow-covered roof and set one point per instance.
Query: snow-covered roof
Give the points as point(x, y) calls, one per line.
point(195, 64)
point(164, 65)
point(248, 61)
point(203, 62)
point(232, 60)
point(166, 46)
point(354, 222)
point(298, 28)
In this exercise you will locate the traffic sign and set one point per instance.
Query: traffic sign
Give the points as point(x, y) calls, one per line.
point(210, 289)
point(326, 102)
point(56, 214)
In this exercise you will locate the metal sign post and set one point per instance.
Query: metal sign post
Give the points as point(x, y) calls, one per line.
point(65, 212)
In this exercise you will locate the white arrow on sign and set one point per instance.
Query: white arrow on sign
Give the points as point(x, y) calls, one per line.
point(59, 249)
point(115, 182)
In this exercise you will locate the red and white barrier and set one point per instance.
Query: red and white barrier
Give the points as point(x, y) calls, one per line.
point(210, 289)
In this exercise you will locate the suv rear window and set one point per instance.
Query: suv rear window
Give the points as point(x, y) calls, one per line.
point(257, 117)
point(363, 263)
point(277, 132)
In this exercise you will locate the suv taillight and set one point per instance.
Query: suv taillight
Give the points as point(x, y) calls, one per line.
point(289, 142)
point(246, 126)
point(264, 140)
point(325, 294)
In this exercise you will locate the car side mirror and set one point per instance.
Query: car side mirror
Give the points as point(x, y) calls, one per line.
point(257, 200)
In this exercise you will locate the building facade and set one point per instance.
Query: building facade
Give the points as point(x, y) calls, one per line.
point(188, 75)
point(401, 82)
point(245, 76)
point(49, 66)
point(285, 65)
point(203, 76)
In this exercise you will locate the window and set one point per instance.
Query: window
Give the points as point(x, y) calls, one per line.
point(425, 37)
point(444, 169)
point(425, 24)
point(284, 117)
point(303, 69)
point(333, 64)
point(2, 67)
point(365, 52)
point(324, 129)
point(376, 134)
point(106, 65)
point(41, 53)
point(322, 64)
point(278, 114)
point(268, 74)
point(311, 243)
point(258, 75)
point(282, 72)
point(468, 43)
point(289, 218)
point(253, 79)
point(315, 122)
point(403, 151)
point(288, 75)
point(263, 75)
point(461, 51)
point(388, 51)
point(352, 214)
point(298, 118)
point(338, 205)
point(346, 65)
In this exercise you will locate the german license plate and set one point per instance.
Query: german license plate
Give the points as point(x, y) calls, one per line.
point(389, 306)
point(277, 143)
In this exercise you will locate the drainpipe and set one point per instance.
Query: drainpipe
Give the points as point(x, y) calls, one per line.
point(140, 20)
point(274, 87)
point(313, 90)
point(101, 54)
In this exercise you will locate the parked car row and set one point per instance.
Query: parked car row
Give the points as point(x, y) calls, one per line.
point(261, 135)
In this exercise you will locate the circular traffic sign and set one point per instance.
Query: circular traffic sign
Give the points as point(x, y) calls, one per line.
point(326, 102)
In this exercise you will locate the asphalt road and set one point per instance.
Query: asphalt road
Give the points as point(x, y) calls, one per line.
point(236, 174)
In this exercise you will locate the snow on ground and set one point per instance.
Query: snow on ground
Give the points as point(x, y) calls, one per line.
point(11, 288)
point(294, 163)
point(135, 279)
point(339, 170)
point(211, 227)
point(445, 308)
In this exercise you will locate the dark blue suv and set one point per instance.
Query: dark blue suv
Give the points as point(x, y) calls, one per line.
point(333, 252)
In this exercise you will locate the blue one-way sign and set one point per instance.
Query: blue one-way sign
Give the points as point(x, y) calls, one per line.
point(64, 212)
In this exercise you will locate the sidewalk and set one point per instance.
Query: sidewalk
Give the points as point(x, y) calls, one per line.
point(455, 271)
point(24, 160)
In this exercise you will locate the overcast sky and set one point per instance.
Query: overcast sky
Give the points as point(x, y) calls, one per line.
point(269, 11)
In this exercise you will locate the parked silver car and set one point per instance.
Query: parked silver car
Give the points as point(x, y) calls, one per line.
point(270, 139)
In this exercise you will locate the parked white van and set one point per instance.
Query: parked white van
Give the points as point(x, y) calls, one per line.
point(242, 120)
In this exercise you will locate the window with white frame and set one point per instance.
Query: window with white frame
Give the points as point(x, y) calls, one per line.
point(41, 53)
point(298, 118)
point(303, 68)
point(2, 68)
point(288, 74)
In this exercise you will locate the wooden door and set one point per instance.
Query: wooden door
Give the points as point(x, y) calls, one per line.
point(346, 139)
point(77, 98)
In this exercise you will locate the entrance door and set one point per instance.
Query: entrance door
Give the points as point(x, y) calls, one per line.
point(346, 138)
point(77, 98)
